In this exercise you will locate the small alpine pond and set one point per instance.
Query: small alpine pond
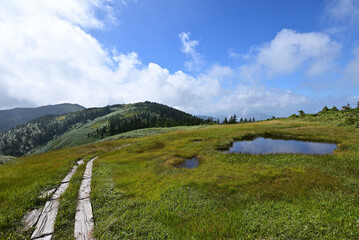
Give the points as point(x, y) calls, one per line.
point(189, 163)
point(262, 145)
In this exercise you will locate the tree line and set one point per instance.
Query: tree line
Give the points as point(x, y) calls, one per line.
point(147, 115)
point(233, 120)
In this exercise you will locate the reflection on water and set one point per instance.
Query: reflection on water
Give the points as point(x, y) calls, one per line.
point(189, 163)
point(266, 145)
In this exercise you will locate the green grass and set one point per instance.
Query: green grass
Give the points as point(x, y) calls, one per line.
point(138, 193)
point(145, 132)
point(23, 180)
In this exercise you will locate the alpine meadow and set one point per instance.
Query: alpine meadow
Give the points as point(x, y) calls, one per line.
point(155, 119)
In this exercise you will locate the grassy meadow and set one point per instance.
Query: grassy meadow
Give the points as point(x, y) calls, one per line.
point(138, 193)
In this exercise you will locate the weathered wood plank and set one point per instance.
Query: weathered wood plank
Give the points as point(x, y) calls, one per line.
point(85, 188)
point(60, 190)
point(46, 222)
point(80, 162)
point(88, 170)
point(31, 218)
point(48, 237)
point(48, 193)
point(84, 220)
point(69, 176)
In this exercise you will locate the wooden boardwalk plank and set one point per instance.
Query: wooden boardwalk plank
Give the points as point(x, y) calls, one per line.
point(84, 219)
point(31, 218)
point(69, 176)
point(45, 224)
point(85, 188)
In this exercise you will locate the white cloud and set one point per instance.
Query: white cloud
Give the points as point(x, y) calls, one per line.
point(290, 51)
point(351, 71)
point(232, 53)
point(343, 11)
point(47, 57)
point(195, 61)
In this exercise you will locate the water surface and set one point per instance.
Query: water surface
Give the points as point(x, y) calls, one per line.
point(189, 163)
point(262, 145)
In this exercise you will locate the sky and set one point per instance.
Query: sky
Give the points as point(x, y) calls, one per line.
point(205, 57)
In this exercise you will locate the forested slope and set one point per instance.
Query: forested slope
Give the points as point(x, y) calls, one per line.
point(90, 125)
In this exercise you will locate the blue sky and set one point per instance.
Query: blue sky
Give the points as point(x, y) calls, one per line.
point(205, 57)
point(151, 28)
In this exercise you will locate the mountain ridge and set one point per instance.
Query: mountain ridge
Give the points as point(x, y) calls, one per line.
point(52, 132)
point(14, 117)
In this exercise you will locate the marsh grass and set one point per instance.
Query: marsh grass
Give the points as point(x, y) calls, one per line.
point(138, 193)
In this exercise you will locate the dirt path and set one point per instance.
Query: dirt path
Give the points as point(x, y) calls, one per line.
point(84, 219)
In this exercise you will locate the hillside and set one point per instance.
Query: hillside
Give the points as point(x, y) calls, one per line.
point(347, 116)
point(90, 125)
point(17, 116)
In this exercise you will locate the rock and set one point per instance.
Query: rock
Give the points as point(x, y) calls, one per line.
point(31, 218)
point(46, 222)
point(84, 220)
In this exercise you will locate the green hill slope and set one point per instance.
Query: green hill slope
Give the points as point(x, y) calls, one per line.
point(17, 116)
point(345, 117)
point(90, 125)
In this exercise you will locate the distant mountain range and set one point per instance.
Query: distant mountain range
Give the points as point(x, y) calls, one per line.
point(17, 116)
point(56, 131)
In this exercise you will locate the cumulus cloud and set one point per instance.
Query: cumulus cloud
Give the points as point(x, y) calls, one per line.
point(195, 61)
point(47, 57)
point(290, 51)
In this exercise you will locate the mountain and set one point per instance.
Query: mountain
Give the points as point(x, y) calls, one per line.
point(17, 116)
point(89, 125)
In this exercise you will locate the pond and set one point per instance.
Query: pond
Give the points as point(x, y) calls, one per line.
point(189, 163)
point(262, 145)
